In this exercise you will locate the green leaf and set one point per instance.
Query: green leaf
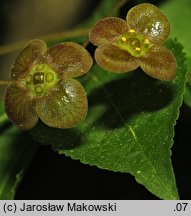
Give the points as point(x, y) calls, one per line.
point(16, 153)
point(179, 14)
point(129, 127)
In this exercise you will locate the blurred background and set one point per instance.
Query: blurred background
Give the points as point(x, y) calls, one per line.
point(22, 19)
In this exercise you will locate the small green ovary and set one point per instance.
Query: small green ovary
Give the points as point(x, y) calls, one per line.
point(41, 79)
point(136, 44)
point(38, 78)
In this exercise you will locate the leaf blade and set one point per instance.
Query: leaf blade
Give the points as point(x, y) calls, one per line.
point(129, 126)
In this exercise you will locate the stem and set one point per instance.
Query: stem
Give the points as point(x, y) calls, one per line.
point(117, 7)
point(51, 37)
point(59, 35)
point(111, 12)
point(4, 82)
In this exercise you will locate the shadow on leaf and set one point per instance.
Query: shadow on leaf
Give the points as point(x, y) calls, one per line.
point(58, 138)
point(129, 96)
point(122, 99)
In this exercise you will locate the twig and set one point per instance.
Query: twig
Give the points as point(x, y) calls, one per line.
point(112, 11)
point(4, 82)
point(51, 37)
point(117, 7)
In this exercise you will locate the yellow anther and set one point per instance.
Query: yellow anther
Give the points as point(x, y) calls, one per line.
point(132, 30)
point(146, 41)
point(124, 39)
point(137, 49)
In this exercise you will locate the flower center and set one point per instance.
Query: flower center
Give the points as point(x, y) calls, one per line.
point(136, 44)
point(40, 79)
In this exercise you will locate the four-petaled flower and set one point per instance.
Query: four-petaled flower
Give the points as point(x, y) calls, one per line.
point(43, 86)
point(125, 45)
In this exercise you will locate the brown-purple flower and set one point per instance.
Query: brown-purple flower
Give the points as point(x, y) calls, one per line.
point(43, 86)
point(125, 45)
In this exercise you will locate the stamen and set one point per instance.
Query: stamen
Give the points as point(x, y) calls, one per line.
point(132, 30)
point(137, 49)
point(124, 39)
point(146, 41)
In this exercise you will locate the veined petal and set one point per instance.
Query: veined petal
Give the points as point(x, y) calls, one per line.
point(114, 59)
point(33, 50)
point(159, 63)
point(149, 20)
point(20, 106)
point(68, 59)
point(107, 29)
point(64, 107)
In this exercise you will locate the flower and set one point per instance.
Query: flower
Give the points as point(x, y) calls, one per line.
point(125, 45)
point(43, 86)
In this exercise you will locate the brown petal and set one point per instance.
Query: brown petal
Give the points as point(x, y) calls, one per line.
point(68, 59)
point(20, 106)
point(114, 59)
point(159, 63)
point(107, 29)
point(149, 20)
point(64, 107)
point(26, 58)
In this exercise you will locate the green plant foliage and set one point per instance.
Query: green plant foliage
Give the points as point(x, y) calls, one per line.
point(180, 22)
point(16, 152)
point(129, 127)
point(179, 15)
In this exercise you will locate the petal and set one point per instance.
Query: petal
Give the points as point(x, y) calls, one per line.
point(20, 106)
point(149, 20)
point(114, 59)
point(159, 63)
point(64, 107)
point(107, 29)
point(33, 50)
point(69, 59)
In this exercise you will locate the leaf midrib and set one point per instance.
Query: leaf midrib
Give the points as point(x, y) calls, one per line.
point(96, 79)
